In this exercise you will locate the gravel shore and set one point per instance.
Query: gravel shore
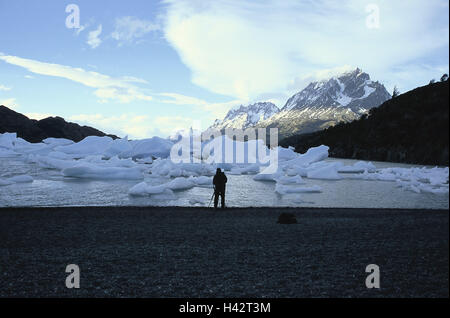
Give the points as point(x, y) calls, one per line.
point(238, 252)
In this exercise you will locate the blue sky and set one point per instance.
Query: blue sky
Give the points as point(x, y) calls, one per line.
point(147, 68)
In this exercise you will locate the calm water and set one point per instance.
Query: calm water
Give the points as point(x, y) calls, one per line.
point(50, 188)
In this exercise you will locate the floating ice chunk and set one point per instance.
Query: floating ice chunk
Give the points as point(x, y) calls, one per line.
point(180, 184)
point(51, 163)
point(358, 167)
point(57, 142)
point(7, 140)
point(90, 171)
point(245, 169)
point(156, 147)
point(432, 180)
point(16, 179)
point(88, 146)
point(31, 148)
point(286, 153)
point(166, 195)
point(195, 201)
point(21, 179)
point(327, 172)
point(144, 189)
point(7, 153)
point(252, 168)
point(293, 171)
point(118, 147)
point(165, 167)
point(290, 180)
point(61, 155)
point(430, 189)
point(116, 162)
point(235, 171)
point(314, 154)
point(283, 189)
point(202, 180)
point(147, 160)
point(268, 176)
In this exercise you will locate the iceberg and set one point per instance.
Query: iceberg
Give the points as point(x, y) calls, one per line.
point(282, 189)
point(327, 172)
point(202, 181)
point(57, 142)
point(118, 147)
point(156, 147)
point(180, 184)
point(144, 189)
point(314, 154)
point(358, 167)
point(7, 140)
point(290, 180)
point(16, 179)
point(51, 163)
point(88, 146)
point(7, 153)
point(90, 171)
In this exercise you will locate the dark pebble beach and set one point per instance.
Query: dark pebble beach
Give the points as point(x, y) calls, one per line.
point(236, 252)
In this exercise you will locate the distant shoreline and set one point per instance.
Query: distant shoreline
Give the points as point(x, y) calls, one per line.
point(273, 209)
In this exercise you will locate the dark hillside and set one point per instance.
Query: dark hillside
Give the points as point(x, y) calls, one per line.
point(36, 130)
point(410, 128)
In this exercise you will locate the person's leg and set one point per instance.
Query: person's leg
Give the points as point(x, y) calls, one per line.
point(216, 199)
point(223, 200)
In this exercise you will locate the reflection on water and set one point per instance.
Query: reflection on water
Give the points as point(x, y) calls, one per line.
point(50, 188)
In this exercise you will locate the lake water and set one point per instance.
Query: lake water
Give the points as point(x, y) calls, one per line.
point(50, 188)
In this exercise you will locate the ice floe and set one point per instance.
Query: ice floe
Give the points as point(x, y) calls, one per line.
point(16, 179)
point(106, 159)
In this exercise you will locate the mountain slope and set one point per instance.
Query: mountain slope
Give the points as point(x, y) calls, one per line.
point(325, 103)
point(410, 128)
point(37, 130)
point(246, 116)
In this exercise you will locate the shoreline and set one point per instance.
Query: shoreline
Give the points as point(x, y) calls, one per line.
point(168, 207)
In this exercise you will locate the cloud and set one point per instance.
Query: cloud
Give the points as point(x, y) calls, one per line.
point(93, 39)
point(129, 29)
point(11, 103)
point(122, 89)
point(80, 29)
point(248, 49)
point(4, 88)
point(217, 110)
point(135, 126)
point(38, 116)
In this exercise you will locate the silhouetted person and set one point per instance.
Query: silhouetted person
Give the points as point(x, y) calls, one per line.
point(219, 181)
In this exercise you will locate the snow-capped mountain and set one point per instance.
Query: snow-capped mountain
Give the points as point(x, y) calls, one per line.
point(246, 116)
point(324, 103)
point(352, 90)
point(320, 105)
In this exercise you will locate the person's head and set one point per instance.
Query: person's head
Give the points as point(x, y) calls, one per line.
point(218, 171)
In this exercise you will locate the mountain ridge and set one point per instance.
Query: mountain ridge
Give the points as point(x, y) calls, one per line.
point(33, 130)
point(410, 128)
point(321, 104)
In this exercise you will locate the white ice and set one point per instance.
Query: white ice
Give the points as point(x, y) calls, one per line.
point(16, 179)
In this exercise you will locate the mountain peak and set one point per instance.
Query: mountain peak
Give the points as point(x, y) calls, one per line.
point(247, 116)
point(353, 89)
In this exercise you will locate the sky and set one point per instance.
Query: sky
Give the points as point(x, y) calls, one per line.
point(144, 67)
